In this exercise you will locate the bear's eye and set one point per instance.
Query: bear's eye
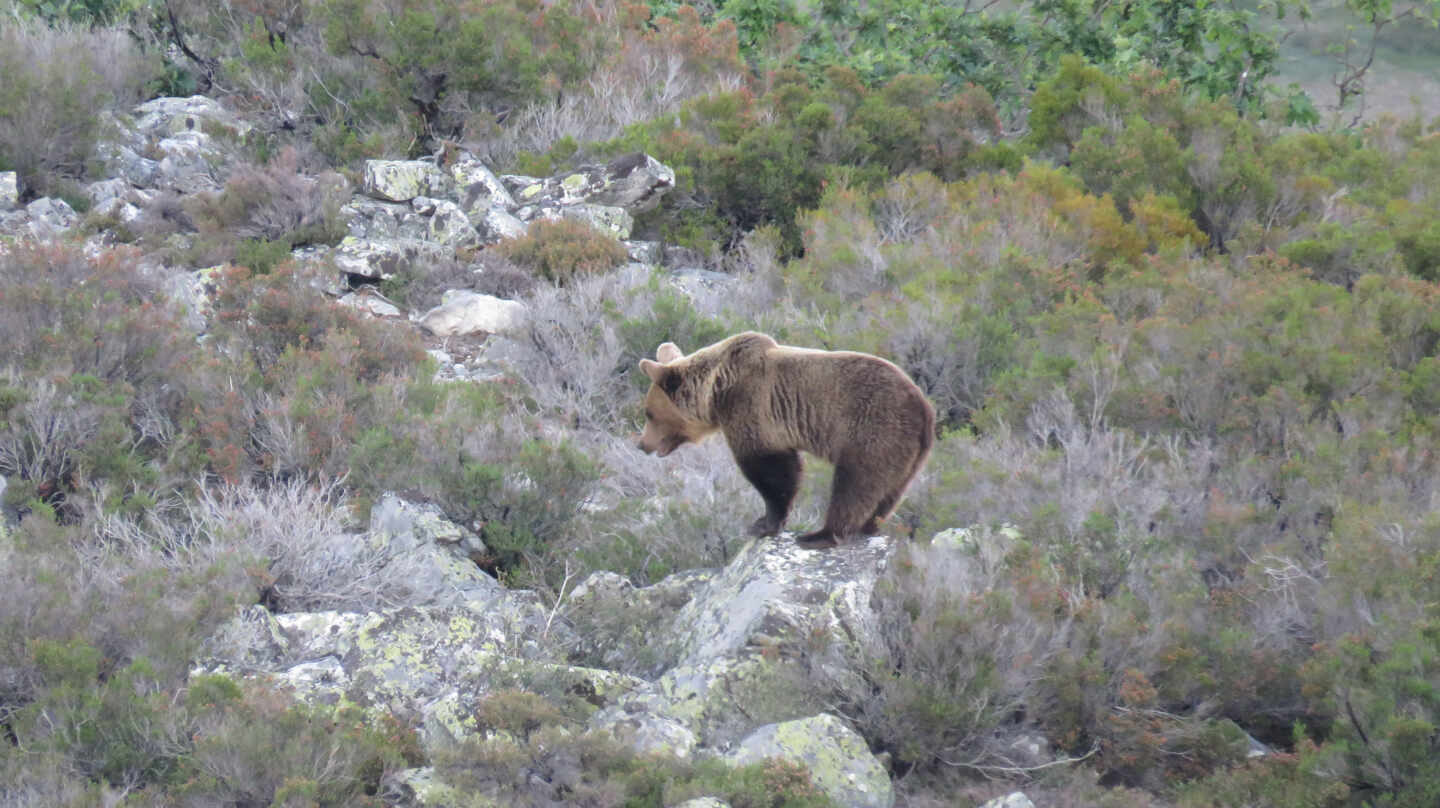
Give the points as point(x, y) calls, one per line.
point(649, 416)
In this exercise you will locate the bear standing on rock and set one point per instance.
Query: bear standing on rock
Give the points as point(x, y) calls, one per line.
point(772, 401)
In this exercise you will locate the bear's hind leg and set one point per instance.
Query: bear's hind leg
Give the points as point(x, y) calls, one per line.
point(882, 512)
point(776, 475)
point(852, 506)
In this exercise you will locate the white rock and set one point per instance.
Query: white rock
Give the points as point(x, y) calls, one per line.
point(1016, 799)
point(106, 190)
point(372, 303)
point(9, 190)
point(161, 117)
point(497, 224)
point(49, 217)
point(465, 312)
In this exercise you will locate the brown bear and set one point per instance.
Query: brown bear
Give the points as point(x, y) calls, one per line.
point(772, 401)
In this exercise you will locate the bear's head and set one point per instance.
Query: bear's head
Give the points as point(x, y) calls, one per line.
point(671, 418)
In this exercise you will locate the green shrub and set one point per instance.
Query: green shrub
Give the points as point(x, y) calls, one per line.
point(255, 745)
point(670, 317)
point(563, 250)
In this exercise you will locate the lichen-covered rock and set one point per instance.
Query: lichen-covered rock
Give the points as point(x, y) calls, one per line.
point(128, 163)
point(738, 638)
point(635, 182)
point(704, 802)
point(50, 217)
point(650, 734)
point(9, 190)
point(839, 762)
point(108, 196)
point(496, 224)
point(1015, 799)
point(717, 700)
point(166, 117)
point(403, 180)
point(633, 622)
point(373, 219)
point(421, 788)
point(407, 657)
point(448, 224)
point(191, 162)
point(379, 259)
point(465, 312)
point(409, 525)
point(610, 219)
point(988, 545)
point(477, 189)
point(194, 294)
point(451, 716)
point(644, 252)
point(440, 552)
point(775, 593)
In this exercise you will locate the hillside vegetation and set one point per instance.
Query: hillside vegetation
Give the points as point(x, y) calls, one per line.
point(1180, 324)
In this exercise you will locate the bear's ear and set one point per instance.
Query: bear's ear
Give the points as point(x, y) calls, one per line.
point(652, 369)
point(668, 352)
point(664, 378)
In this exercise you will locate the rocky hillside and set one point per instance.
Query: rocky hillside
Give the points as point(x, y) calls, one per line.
point(710, 664)
point(319, 399)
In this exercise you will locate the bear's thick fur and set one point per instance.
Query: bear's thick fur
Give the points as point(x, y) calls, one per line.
point(772, 401)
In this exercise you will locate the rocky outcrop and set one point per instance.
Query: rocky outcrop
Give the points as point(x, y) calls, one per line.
point(179, 144)
point(635, 182)
point(406, 216)
point(729, 686)
point(739, 641)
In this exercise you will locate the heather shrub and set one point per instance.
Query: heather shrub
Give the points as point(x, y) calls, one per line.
point(273, 205)
point(253, 744)
point(420, 287)
point(97, 373)
point(296, 541)
point(570, 353)
point(1287, 780)
point(670, 317)
point(58, 81)
point(525, 734)
point(562, 250)
point(669, 514)
point(957, 659)
point(267, 316)
point(95, 645)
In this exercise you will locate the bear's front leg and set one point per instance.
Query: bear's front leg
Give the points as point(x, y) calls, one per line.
point(776, 475)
